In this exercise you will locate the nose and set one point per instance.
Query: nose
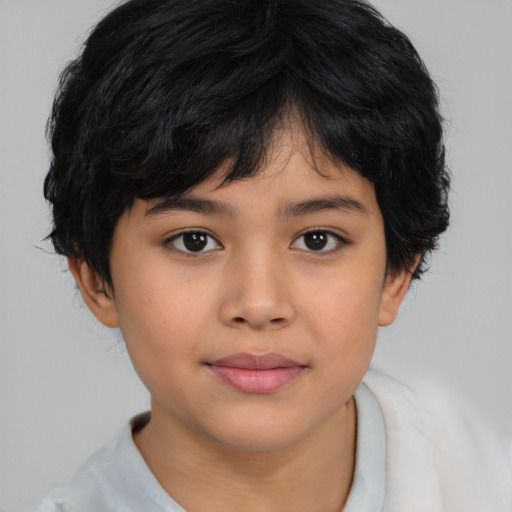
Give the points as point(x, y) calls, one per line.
point(257, 293)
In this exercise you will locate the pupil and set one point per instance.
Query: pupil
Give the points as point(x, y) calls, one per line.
point(315, 241)
point(195, 241)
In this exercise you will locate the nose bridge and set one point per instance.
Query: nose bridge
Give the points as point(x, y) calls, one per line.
point(257, 295)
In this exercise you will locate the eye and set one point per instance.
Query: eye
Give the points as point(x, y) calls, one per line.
point(319, 241)
point(193, 242)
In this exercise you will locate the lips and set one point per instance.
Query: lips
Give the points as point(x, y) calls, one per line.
point(254, 373)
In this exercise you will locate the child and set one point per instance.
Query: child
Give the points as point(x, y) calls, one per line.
point(246, 190)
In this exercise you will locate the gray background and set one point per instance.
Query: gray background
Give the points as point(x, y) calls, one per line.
point(66, 385)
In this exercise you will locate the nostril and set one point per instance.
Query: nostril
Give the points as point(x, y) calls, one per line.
point(272, 321)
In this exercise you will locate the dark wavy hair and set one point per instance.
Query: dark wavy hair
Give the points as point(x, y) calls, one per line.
point(165, 91)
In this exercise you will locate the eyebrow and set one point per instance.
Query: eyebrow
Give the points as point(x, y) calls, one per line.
point(211, 207)
point(195, 204)
point(336, 202)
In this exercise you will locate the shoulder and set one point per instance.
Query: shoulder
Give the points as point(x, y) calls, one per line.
point(440, 448)
point(83, 492)
point(115, 478)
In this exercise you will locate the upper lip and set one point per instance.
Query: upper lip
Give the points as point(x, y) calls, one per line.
point(249, 361)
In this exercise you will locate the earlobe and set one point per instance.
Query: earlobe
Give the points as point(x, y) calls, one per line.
point(96, 294)
point(393, 294)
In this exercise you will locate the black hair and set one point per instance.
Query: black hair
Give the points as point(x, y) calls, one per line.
point(165, 91)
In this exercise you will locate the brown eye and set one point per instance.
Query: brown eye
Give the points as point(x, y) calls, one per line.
point(319, 241)
point(193, 242)
point(316, 241)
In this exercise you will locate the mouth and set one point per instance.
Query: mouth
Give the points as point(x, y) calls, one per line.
point(254, 373)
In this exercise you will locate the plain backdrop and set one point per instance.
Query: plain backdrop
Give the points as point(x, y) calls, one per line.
point(66, 385)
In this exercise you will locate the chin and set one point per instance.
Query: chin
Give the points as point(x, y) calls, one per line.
point(259, 444)
point(258, 436)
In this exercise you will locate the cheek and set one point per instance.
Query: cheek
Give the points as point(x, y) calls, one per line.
point(346, 300)
point(343, 320)
point(161, 321)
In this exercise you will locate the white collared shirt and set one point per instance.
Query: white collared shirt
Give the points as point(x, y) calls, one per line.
point(413, 452)
point(117, 479)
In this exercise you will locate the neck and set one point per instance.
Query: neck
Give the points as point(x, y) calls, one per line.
point(196, 470)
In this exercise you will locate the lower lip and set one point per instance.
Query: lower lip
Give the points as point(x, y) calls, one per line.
point(256, 381)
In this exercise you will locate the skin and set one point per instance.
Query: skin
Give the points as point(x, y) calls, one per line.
point(257, 287)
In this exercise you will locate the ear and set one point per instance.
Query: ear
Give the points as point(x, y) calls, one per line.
point(393, 294)
point(97, 295)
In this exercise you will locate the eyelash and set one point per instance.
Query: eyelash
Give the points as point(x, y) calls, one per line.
point(339, 242)
point(170, 242)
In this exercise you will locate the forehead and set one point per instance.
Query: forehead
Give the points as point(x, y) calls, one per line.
point(292, 171)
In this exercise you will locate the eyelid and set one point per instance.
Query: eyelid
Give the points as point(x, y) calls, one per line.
point(341, 241)
point(175, 236)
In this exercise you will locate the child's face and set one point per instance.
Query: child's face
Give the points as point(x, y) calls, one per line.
point(288, 262)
